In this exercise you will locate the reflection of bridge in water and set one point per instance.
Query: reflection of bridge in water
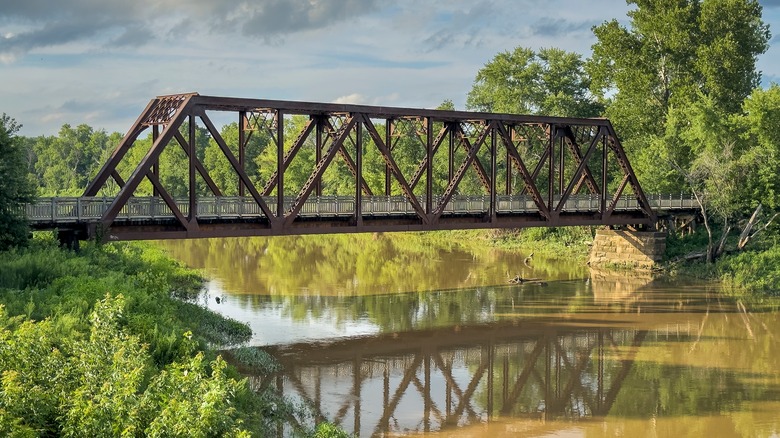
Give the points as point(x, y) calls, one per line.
point(432, 380)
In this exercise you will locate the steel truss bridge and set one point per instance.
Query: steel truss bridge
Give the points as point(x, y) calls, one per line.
point(532, 170)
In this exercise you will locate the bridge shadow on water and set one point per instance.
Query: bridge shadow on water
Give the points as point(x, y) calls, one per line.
point(595, 362)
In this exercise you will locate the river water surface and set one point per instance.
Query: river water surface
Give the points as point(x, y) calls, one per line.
point(390, 335)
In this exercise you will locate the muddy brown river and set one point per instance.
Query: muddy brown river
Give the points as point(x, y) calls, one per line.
point(396, 335)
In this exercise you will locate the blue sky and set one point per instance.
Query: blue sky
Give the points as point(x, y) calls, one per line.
point(100, 61)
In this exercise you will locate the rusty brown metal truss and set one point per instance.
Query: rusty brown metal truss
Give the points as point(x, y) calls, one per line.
point(548, 160)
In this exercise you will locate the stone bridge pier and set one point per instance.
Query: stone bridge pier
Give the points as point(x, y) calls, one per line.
point(630, 249)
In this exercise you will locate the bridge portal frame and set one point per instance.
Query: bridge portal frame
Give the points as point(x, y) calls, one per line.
point(342, 130)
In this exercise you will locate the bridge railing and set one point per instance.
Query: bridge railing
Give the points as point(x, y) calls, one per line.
point(91, 209)
point(679, 201)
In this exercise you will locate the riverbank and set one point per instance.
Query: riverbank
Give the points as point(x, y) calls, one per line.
point(104, 342)
point(752, 272)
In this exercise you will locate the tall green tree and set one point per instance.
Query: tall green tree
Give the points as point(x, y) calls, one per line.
point(759, 125)
point(64, 164)
point(673, 52)
point(551, 82)
point(16, 188)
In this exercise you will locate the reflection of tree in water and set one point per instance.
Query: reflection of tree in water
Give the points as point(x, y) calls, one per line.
point(420, 310)
point(357, 264)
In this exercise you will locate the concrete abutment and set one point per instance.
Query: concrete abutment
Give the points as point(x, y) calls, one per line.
point(630, 249)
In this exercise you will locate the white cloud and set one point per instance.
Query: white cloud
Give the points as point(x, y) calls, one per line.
point(354, 98)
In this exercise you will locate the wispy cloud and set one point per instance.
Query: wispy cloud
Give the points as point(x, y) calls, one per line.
point(557, 27)
point(139, 22)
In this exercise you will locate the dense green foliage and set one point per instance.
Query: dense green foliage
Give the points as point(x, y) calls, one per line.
point(16, 189)
point(677, 80)
point(672, 53)
point(64, 164)
point(551, 82)
point(96, 344)
point(756, 271)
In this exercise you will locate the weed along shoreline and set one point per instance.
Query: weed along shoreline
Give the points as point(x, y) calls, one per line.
point(108, 339)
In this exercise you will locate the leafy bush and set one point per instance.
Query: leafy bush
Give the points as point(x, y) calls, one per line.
point(96, 344)
point(106, 384)
point(329, 430)
point(753, 271)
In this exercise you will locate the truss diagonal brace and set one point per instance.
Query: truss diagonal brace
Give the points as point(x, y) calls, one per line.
point(288, 157)
point(238, 169)
point(109, 168)
point(477, 164)
point(582, 169)
point(198, 165)
point(424, 164)
point(527, 179)
point(384, 150)
point(351, 163)
point(171, 203)
point(623, 162)
point(458, 176)
point(574, 148)
point(308, 186)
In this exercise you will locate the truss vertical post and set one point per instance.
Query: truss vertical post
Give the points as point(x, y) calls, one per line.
point(241, 149)
point(359, 173)
point(493, 174)
point(389, 143)
point(508, 173)
point(280, 163)
point(604, 180)
point(561, 165)
point(318, 152)
point(193, 211)
point(551, 167)
point(451, 163)
point(429, 166)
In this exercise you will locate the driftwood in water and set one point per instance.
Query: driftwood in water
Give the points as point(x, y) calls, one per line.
point(520, 280)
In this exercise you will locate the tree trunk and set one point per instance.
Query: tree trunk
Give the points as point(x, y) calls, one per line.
point(744, 238)
point(722, 243)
